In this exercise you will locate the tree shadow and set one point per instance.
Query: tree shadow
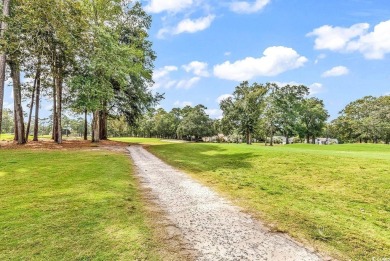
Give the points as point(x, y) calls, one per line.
point(200, 157)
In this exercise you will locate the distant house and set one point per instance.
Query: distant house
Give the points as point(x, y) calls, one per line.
point(282, 140)
point(326, 141)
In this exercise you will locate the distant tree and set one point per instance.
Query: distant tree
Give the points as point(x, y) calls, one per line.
point(286, 108)
point(242, 111)
point(195, 123)
point(313, 116)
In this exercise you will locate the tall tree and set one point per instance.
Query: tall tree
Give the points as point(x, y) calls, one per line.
point(244, 108)
point(3, 28)
point(287, 102)
point(195, 123)
point(313, 116)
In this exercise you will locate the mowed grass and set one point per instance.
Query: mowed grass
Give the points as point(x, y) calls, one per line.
point(71, 205)
point(336, 198)
point(140, 141)
point(6, 137)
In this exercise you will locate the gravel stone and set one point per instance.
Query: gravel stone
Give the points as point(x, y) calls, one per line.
point(211, 225)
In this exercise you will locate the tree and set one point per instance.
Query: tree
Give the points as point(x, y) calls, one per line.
point(242, 111)
point(313, 116)
point(3, 28)
point(286, 106)
point(195, 123)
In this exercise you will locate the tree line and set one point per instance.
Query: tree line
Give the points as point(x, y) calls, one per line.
point(88, 56)
point(262, 111)
point(364, 120)
point(252, 112)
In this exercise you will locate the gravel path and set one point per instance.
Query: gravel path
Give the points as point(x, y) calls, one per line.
point(211, 226)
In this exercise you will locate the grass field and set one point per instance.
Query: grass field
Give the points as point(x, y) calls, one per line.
point(336, 198)
point(75, 205)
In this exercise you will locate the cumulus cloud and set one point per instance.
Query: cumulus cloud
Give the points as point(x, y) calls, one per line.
point(336, 71)
point(223, 97)
point(214, 113)
point(316, 88)
point(187, 83)
point(158, 6)
point(275, 60)
point(182, 104)
point(188, 26)
point(197, 68)
point(373, 45)
point(162, 78)
point(245, 7)
point(336, 38)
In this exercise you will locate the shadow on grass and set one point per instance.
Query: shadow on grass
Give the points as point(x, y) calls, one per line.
point(199, 157)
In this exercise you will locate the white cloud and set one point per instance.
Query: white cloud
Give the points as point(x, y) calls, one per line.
point(197, 68)
point(182, 104)
point(336, 38)
point(223, 97)
point(320, 57)
point(373, 45)
point(275, 60)
point(227, 53)
point(161, 77)
point(192, 26)
point(316, 88)
point(158, 6)
point(336, 71)
point(187, 83)
point(214, 113)
point(187, 26)
point(244, 7)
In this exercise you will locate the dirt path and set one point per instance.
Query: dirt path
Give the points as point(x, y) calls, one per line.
point(212, 227)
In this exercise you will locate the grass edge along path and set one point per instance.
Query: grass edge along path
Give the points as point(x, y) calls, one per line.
point(82, 205)
point(334, 198)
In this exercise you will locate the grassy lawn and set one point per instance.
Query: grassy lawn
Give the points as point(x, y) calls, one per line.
point(335, 197)
point(6, 137)
point(71, 205)
point(141, 141)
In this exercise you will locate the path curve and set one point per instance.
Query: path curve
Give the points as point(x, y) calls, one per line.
point(213, 227)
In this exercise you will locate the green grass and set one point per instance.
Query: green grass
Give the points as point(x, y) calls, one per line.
point(6, 137)
point(336, 197)
point(71, 205)
point(141, 141)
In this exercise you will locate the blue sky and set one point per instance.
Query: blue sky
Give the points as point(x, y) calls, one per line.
point(340, 49)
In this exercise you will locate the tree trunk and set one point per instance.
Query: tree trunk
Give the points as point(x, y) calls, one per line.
point(31, 106)
point(19, 124)
point(96, 127)
point(15, 125)
point(313, 140)
point(287, 142)
point(307, 139)
point(37, 97)
point(248, 137)
point(103, 125)
point(58, 136)
point(54, 129)
point(85, 125)
point(3, 28)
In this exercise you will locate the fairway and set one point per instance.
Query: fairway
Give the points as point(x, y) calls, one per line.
point(333, 197)
point(71, 205)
